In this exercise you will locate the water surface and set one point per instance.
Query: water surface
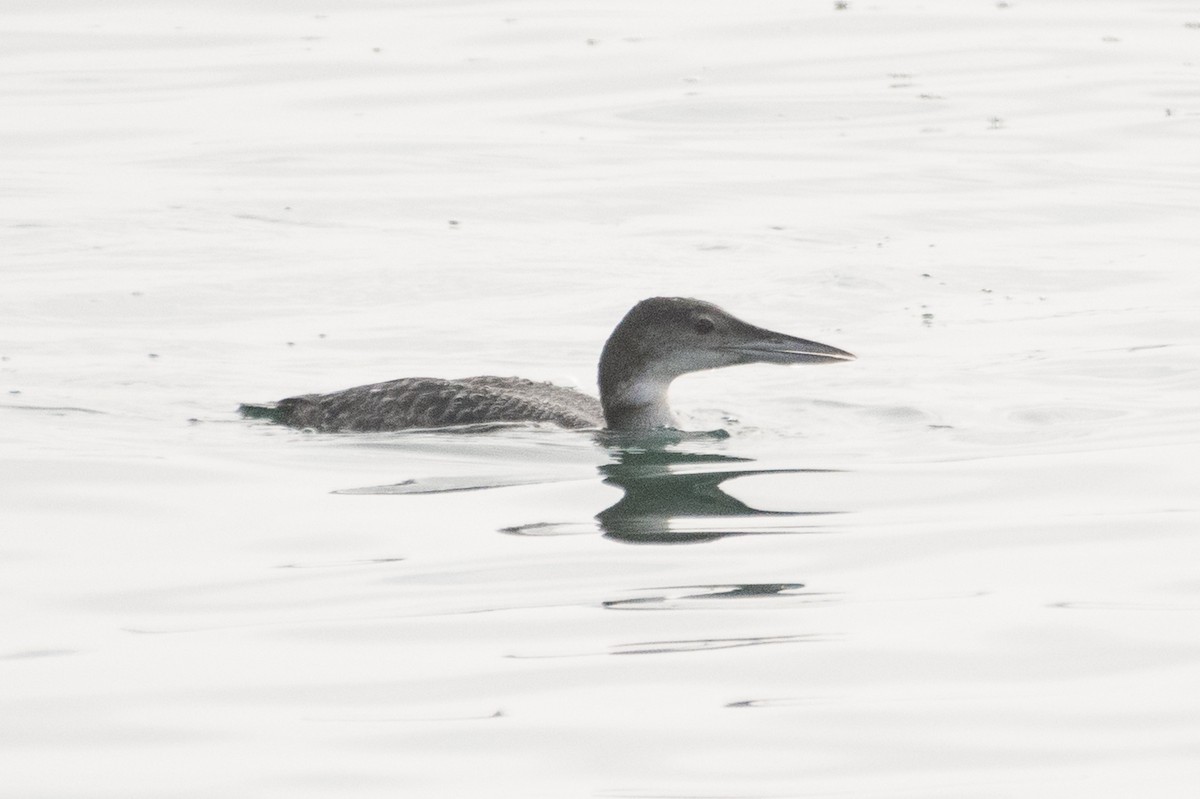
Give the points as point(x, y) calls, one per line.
point(961, 566)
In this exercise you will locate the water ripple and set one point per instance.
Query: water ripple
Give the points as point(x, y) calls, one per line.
point(697, 597)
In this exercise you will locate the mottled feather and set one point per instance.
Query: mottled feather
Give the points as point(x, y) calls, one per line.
point(415, 402)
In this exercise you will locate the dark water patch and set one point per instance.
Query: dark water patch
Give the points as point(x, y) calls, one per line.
point(53, 410)
point(443, 485)
point(683, 645)
point(707, 644)
point(702, 597)
point(341, 564)
point(1156, 607)
point(768, 703)
point(548, 529)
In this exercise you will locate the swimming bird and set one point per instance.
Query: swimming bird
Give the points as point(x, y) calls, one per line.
point(657, 341)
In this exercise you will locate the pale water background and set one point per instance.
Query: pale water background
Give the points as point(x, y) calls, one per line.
point(993, 590)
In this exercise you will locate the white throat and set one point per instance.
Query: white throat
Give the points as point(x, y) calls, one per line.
point(639, 403)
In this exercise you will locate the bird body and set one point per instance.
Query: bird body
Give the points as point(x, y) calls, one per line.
point(412, 402)
point(658, 340)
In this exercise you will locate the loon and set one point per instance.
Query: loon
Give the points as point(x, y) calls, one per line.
point(657, 341)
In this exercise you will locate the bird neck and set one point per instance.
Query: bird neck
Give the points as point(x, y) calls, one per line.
point(651, 415)
point(632, 391)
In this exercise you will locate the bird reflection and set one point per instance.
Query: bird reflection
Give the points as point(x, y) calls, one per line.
point(675, 497)
point(672, 493)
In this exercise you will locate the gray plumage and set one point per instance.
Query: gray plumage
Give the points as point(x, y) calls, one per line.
point(658, 340)
point(431, 402)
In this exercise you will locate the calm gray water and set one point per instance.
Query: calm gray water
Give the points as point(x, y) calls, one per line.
point(961, 566)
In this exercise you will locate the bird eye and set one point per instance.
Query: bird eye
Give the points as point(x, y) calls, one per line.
point(704, 325)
